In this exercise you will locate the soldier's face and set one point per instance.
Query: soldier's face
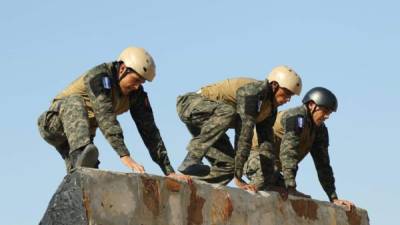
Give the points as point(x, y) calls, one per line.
point(282, 96)
point(320, 114)
point(131, 82)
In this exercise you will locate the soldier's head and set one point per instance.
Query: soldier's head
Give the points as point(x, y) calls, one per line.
point(285, 83)
point(320, 102)
point(136, 67)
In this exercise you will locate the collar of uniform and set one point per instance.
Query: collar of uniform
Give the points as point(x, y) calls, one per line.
point(114, 67)
point(267, 92)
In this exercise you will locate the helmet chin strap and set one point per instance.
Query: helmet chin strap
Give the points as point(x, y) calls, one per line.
point(275, 87)
point(274, 90)
point(118, 67)
point(122, 76)
point(312, 111)
point(127, 71)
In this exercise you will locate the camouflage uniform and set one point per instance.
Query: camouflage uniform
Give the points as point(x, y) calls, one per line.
point(209, 115)
point(94, 100)
point(295, 136)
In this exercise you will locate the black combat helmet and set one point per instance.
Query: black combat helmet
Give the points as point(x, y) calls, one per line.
point(322, 97)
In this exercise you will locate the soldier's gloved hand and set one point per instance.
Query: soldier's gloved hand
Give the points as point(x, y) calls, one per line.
point(181, 177)
point(293, 191)
point(344, 203)
point(244, 186)
point(129, 162)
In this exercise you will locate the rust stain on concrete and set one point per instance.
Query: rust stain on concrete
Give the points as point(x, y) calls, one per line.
point(86, 205)
point(195, 214)
point(151, 195)
point(222, 207)
point(353, 217)
point(305, 208)
point(172, 185)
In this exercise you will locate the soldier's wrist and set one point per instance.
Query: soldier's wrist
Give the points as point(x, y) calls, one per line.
point(168, 169)
point(333, 197)
point(124, 154)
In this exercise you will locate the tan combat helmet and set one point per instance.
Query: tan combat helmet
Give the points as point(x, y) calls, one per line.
point(287, 78)
point(140, 61)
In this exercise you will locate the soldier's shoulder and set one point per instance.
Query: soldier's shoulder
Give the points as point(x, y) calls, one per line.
point(103, 69)
point(252, 86)
point(294, 112)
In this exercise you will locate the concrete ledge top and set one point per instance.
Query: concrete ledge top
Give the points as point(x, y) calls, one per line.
point(108, 198)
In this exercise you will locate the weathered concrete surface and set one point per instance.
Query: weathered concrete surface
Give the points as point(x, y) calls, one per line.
point(98, 197)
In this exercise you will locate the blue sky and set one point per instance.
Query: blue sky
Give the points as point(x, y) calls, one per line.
point(350, 47)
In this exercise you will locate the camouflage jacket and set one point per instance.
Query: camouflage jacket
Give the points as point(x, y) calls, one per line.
point(250, 98)
point(298, 135)
point(104, 99)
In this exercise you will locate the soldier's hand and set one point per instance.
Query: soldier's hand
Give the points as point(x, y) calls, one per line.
point(181, 177)
point(129, 162)
point(344, 203)
point(244, 186)
point(293, 191)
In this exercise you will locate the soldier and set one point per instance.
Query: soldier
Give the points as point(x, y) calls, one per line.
point(94, 100)
point(239, 103)
point(298, 131)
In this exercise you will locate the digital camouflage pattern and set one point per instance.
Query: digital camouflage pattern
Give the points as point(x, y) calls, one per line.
point(208, 120)
point(94, 100)
point(295, 137)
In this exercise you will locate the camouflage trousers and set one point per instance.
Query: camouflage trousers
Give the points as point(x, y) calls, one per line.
point(260, 167)
point(66, 125)
point(207, 121)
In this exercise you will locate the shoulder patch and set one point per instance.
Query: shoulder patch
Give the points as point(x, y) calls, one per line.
point(294, 124)
point(106, 83)
point(101, 84)
point(300, 122)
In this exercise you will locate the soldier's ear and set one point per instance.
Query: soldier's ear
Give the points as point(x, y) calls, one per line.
point(312, 106)
point(275, 86)
point(121, 69)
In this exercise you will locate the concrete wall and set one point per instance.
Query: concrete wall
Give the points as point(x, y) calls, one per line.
point(109, 198)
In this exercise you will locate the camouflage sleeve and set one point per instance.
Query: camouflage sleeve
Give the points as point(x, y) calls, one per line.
point(320, 155)
point(265, 132)
point(100, 96)
point(266, 148)
point(142, 114)
point(247, 97)
point(289, 149)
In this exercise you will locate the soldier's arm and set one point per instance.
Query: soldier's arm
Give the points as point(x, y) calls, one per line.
point(100, 96)
point(247, 98)
point(142, 114)
point(320, 155)
point(289, 149)
point(265, 138)
point(265, 132)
